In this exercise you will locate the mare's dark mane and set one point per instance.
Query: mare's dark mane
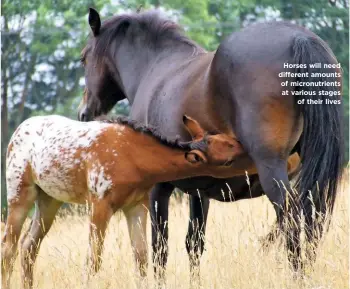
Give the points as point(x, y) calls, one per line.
point(152, 131)
point(157, 31)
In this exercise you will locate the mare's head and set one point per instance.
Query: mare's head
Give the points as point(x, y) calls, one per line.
point(102, 88)
point(212, 148)
point(119, 53)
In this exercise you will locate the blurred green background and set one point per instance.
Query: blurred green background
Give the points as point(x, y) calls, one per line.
point(41, 43)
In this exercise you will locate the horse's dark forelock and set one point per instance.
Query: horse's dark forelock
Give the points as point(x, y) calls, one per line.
point(150, 24)
point(175, 143)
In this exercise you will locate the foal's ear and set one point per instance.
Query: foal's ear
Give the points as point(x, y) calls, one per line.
point(94, 21)
point(196, 156)
point(193, 127)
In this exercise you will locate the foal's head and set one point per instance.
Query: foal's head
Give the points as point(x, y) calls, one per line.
point(215, 149)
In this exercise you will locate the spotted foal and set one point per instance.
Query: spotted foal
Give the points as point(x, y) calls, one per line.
point(107, 164)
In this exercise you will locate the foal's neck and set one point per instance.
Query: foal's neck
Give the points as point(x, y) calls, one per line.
point(157, 162)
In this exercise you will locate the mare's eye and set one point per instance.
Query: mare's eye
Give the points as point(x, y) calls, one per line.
point(83, 61)
point(231, 146)
point(196, 157)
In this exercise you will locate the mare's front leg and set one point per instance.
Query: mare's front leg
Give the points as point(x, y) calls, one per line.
point(195, 238)
point(159, 207)
point(101, 213)
point(137, 221)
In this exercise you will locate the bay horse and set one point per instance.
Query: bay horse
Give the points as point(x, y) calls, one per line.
point(237, 88)
point(109, 165)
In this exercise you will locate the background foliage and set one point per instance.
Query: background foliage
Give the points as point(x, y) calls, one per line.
point(41, 43)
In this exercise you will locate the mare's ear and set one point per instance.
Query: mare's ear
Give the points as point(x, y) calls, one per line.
point(94, 21)
point(193, 127)
point(196, 156)
point(138, 10)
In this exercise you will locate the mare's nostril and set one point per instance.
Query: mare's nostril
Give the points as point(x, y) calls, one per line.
point(84, 116)
point(81, 116)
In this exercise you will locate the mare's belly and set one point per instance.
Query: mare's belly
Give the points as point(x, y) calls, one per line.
point(223, 190)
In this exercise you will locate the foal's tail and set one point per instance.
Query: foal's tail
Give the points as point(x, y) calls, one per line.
point(321, 143)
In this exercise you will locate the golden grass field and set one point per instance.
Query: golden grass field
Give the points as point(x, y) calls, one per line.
point(233, 258)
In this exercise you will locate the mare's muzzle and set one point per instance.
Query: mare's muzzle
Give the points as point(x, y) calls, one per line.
point(85, 115)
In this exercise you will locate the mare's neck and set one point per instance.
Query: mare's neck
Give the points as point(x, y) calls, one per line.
point(206, 101)
point(135, 60)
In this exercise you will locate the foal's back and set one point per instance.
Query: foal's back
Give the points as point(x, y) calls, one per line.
point(51, 151)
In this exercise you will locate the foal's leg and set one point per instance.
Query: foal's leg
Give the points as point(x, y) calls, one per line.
point(18, 209)
point(137, 220)
point(45, 212)
point(199, 208)
point(101, 213)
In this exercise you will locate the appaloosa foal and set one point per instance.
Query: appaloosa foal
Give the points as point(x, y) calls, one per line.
point(107, 164)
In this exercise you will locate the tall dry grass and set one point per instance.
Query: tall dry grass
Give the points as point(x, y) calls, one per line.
point(233, 256)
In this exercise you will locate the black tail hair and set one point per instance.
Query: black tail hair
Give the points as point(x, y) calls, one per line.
point(321, 144)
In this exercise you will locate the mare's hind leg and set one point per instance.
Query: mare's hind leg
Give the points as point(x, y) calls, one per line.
point(269, 130)
point(101, 213)
point(45, 212)
point(137, 220)
point(271, 237)
point(18, 208)
point(314, 231)
point(271, 163)
point(274, 179)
